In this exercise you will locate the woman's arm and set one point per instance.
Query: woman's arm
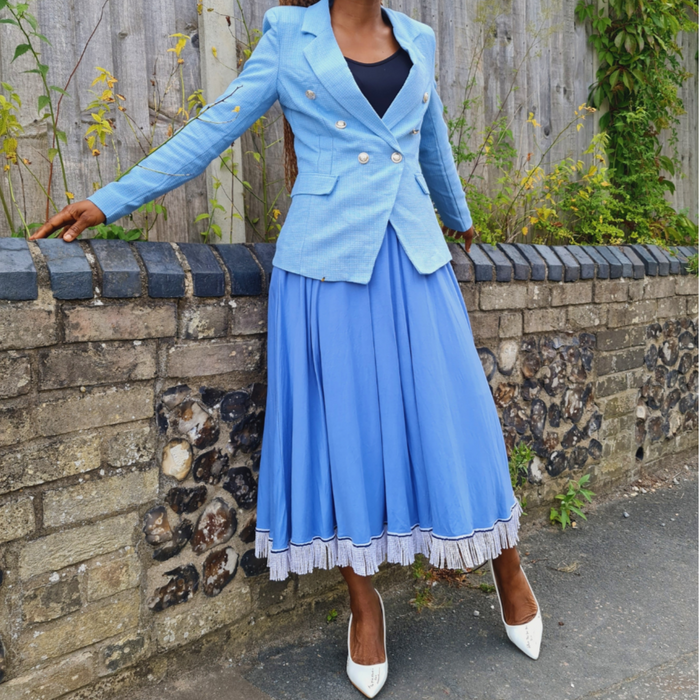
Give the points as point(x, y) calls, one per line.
point(438, 166)
point(190, 150)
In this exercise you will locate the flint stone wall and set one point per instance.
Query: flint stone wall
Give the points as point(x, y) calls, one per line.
point(132, 398)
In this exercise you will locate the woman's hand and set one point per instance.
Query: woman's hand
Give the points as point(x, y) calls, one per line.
point(468, 235)
point(74, 219)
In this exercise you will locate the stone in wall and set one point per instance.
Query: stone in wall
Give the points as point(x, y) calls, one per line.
point(251, 565)
point(247, 534)
point(177, 459)
point(186, 500)
point(212, 439)
point(219, 569)
point(543, 389)
point(216, 525)
point(183, 584)
point(193, 421)
point(667, 403)
point(181, 536)
point(210, 466)
point(156, 526)
point(241, 484)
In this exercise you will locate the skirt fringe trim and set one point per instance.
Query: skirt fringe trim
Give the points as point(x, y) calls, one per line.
point(465, 552)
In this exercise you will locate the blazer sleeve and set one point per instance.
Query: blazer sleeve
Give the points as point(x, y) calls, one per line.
point(202, 139)
point(438, 166)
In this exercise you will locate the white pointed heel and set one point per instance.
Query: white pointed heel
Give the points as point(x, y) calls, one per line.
point(528, 636)
point(369, 680)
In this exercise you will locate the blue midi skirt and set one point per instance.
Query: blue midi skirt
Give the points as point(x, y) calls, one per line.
point(381, 437)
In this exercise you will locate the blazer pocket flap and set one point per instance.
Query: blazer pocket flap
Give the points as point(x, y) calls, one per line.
point(423, 184)
point(314, 183)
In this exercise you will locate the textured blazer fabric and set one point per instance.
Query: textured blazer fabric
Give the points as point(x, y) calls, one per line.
point(357, 170)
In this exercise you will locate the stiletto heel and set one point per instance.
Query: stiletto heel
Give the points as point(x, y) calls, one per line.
point(528, 636)
point(369, 680)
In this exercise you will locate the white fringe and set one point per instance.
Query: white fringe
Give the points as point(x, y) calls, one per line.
point(465, 552)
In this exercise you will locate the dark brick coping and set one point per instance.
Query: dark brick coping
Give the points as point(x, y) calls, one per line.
point(116, 269)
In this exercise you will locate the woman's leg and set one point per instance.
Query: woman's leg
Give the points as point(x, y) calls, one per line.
point(519, 604)
point(367, 633)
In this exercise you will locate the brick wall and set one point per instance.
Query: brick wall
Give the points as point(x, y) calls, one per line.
point(132, 395)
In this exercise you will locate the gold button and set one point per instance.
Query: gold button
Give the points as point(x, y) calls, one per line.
point(311, 94)
point(341, 124)
point(425, 97)
point(363, 157)
point(396, 157)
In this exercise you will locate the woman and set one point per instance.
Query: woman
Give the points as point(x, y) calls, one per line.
point(381, 438)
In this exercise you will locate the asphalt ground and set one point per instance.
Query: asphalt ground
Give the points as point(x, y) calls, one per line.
point(619, 599)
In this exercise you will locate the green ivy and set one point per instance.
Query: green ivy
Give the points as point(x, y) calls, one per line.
point(638, 79)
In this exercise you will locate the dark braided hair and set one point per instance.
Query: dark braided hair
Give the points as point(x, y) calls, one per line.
point(290, 156)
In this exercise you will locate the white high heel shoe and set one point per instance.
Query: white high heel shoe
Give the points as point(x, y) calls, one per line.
point(528, 636)
point(369, 680)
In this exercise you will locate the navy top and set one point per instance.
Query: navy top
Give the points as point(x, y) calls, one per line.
point(380, 82)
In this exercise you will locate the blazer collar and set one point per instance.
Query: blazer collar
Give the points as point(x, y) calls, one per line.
point(329, 65)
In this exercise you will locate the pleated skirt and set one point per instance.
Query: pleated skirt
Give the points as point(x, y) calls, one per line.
point(381, 437)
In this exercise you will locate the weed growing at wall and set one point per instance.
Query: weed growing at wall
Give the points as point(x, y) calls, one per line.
point(571, 502)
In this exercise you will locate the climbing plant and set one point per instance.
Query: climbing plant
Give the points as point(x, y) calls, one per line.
point(641, 70)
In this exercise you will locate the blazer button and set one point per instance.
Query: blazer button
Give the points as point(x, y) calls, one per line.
point(425, 97)
point(363, 158)
point(341, 124)
point(311, 94)
point(415, 131)
point(396, 157)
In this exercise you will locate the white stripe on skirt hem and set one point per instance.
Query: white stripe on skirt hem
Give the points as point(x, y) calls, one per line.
point(465, 552)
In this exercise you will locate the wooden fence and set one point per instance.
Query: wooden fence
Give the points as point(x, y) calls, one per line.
point(523, 56)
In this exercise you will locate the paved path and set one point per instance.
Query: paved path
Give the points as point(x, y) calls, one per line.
point(621, 623)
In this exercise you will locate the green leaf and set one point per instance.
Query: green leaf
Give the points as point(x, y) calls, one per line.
point(53, 152)
point(55, 88)
point(9, 21)
point(20, 50)
point(41, 37)
point(201, 217)
point(614, 77)
point(61, 136)
point(31, 19)
point(44, 101)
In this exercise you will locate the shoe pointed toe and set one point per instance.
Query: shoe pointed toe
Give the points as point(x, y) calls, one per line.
point(368, 679)
point(528, 636)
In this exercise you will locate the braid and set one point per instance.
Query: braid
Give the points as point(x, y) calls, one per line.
point(290, 157)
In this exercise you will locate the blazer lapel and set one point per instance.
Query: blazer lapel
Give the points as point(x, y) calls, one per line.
point(411, 94)
point(329, 65)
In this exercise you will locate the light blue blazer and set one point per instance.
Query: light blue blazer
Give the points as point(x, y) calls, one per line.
point(357, 171)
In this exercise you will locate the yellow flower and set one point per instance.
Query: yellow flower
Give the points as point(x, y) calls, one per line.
point(70, 195)
point(275, 214)
point(214, 52)
point(95, 152)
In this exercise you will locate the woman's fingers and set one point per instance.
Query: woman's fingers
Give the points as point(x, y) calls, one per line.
point(468, 238)
point(467, 235)
point(73, 219)
point(63, 218)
